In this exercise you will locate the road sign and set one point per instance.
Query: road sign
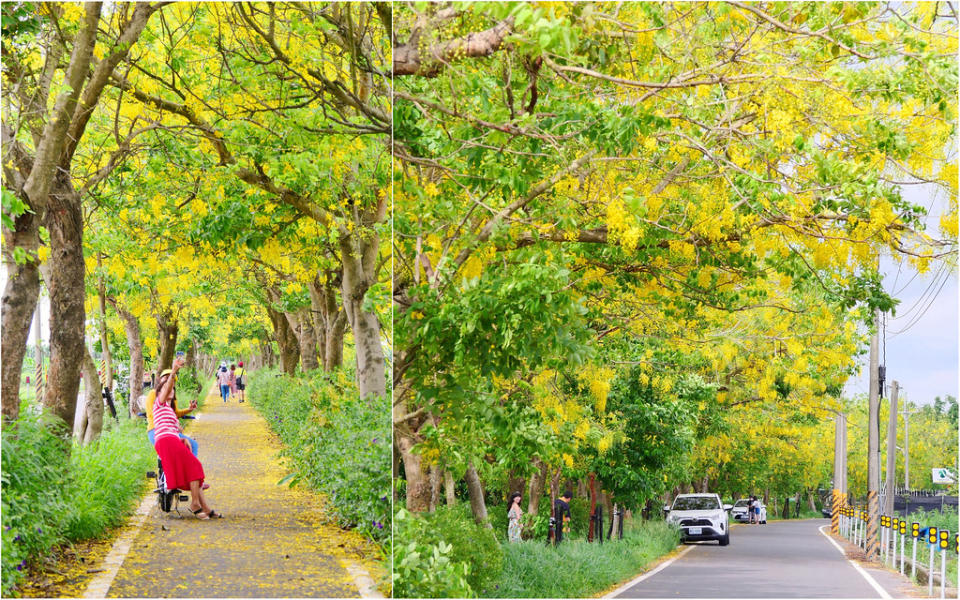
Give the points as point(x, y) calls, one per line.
point(931, 535)
point(944, 539)
point(944, 476)
point(915, 530)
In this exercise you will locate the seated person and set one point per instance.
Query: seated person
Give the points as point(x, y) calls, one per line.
point(182, 469)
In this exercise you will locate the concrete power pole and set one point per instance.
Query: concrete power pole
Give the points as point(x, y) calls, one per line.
point(891, 451)
point(906, 445)
point(839, 499)
point(873, 447)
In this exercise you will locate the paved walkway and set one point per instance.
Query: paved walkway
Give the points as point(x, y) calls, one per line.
point(273, 541)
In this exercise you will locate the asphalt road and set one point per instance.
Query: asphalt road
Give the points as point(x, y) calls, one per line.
point(790, 559)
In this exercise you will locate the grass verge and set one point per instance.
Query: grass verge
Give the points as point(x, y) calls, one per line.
point(530, 569)
point(53, 494)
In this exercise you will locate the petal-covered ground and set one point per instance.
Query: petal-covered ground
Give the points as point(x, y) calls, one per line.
point(273, 542)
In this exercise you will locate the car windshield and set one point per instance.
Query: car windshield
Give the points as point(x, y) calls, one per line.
point(696, 503)
point(743, 502)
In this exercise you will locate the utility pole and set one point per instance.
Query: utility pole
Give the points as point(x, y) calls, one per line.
point(873, 446)
point(891, 450)
point(839, 498)
point(906, 445)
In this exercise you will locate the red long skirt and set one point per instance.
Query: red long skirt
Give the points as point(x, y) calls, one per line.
point(180, 466)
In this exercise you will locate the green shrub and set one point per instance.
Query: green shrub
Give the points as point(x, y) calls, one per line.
point(33, 476)
point(339, 443)
point(468, 554)
point(532, 569)
point(106, 476)
point(48, 500)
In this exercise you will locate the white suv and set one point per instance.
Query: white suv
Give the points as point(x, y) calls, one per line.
point(700, 517)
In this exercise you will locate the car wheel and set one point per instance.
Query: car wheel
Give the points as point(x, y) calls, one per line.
point(725, 540)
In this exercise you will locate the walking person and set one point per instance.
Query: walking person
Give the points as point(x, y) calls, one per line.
point(513, 518)
point(223, 380)
point(233, 381)
point(241, 380)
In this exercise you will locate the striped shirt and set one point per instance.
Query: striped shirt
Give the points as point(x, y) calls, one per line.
point(164, 421)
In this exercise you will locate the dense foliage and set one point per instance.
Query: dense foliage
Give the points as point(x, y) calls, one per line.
point(47, 501)
point(338, 443)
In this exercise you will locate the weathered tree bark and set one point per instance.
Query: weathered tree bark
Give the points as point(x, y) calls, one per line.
point(330, 320)
point(417, 474)
point(306, 338)
point(405, 438)
point(286, 341)
point(478, 505)
point(64, 221)
point(537, 481)
point(92, 421)
point(515, 483)
point(20, 296)
point(358, 254)
point(408, 60)
point(167, 331)
point(449, 487)
point(436, 480)
point(132, 327)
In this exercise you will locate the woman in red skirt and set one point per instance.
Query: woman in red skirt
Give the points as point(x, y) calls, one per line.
point(181, 468)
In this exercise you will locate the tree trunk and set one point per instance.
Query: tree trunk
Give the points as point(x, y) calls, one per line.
point(436, 480)
point(450, 487)
point(535, 491)
point(477, 504)
point(64, 221)
point(167, 331)
point(417, 474)
point(132, 327)
point(811, 500)
point(286, 341)
point(19, 303)
point(515, 484)
point(786, 508)
point(308, 340)
point(358, 253)
point(93, 402)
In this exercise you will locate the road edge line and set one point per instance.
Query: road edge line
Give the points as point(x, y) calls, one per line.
point(832, 541)
point(873, 582)
point(362, 580)
point(646, 575)
point(100, 585)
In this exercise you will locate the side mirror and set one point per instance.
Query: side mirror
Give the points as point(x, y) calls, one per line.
point(666, 508)
point(727, 506)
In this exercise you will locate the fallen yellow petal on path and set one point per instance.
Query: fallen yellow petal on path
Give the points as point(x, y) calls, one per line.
point(274, 541)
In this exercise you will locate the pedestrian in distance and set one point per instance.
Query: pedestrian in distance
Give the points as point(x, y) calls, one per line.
point(223, 380)
point(181, 468)
point(514, 513)
point(233, 381)
point(561, 512)
point(241, 380)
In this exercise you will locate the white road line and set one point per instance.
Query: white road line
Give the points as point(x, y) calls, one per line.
point(646, 575)
point(832, 541)
point(100, 585)
point(873, 582)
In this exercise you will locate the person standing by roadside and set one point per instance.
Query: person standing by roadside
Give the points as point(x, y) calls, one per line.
point(223, 380)
point(513, 518)
point(241, 380)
